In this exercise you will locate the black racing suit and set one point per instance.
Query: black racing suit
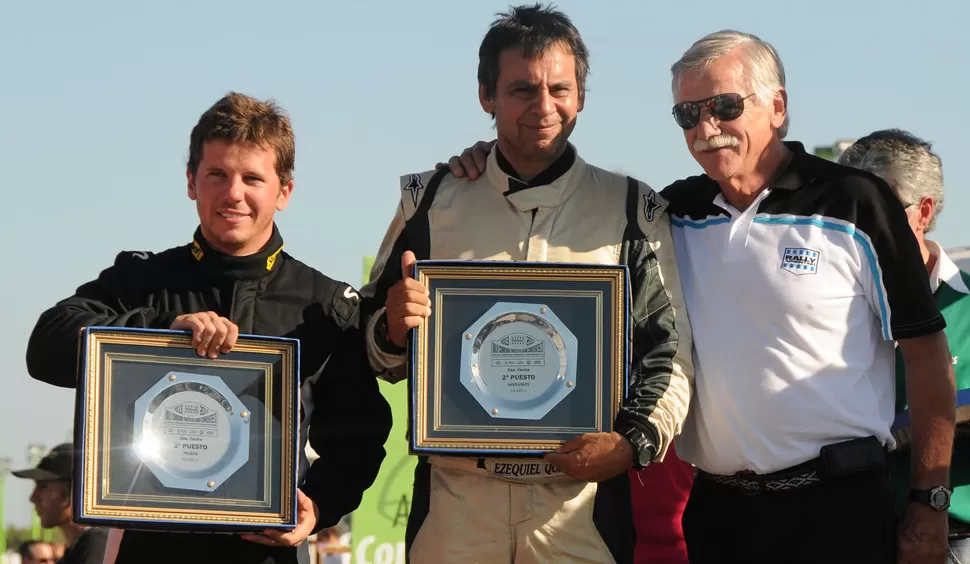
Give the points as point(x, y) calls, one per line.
point(268, 293)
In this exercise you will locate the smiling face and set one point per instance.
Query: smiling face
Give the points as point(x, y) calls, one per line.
point(237, 193)
point(726, 149)
point(535, 106)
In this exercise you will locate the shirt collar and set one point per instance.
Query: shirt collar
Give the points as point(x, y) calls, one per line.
point(798, 172)
point(548, 189)
point(945, 270)
point(221, 265)
point(558, 168)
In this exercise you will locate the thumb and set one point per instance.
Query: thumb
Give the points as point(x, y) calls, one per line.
point(407, 264)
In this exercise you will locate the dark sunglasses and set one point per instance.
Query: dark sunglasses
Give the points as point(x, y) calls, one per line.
point(724, 107)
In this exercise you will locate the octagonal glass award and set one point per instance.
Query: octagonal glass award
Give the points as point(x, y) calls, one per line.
point(517, 358)
point(169, 440)
point(191, 431)
point(521, 361)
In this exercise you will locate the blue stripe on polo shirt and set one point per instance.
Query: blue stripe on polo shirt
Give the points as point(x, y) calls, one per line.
point(684, 222)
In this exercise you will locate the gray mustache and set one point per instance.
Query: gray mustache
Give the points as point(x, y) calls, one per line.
point(716, 142)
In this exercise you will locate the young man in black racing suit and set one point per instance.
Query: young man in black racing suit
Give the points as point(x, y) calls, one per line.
point(235, 278)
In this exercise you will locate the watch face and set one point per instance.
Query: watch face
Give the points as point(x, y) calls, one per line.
point(939, 498)
point(645, 457)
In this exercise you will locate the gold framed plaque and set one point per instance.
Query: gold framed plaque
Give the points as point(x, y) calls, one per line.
point(168, 440)
point(517, 358)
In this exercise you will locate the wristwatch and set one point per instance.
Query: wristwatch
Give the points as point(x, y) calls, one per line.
point(938, 498)
point(644, 449)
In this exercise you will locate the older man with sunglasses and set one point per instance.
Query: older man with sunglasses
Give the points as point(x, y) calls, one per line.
point(800, 275)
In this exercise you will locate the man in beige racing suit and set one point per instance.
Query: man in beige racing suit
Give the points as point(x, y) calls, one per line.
point(537, 201)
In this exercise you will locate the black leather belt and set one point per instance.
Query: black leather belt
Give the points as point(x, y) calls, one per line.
point(750, 483)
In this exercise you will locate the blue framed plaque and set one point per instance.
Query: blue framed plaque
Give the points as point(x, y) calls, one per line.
point(168, 440)
point(517, 358)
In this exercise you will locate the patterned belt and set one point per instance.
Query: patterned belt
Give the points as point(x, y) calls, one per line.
point(753, 484)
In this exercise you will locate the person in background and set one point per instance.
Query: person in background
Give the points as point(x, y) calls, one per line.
point(660, 493)
point(36, 552)
point(915, 173)
point(53, 503)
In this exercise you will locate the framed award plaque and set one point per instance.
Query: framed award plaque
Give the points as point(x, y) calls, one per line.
point(168, 440)
point(517, 358)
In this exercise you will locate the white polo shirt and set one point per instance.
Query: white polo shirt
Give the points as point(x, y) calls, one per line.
point(794, 304)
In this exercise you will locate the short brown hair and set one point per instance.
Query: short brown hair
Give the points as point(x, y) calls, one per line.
point(238, 118)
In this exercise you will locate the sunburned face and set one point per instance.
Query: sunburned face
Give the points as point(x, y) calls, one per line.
point(725, 149)
point(535, 106)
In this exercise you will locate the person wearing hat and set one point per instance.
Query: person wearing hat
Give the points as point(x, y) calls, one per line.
point(52, 501)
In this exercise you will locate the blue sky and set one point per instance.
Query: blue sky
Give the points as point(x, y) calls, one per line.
point(99, 99)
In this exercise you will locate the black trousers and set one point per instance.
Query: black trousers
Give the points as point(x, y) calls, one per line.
point(846, 520)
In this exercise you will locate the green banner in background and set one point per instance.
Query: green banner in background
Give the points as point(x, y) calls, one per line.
point(377, 527)
point(368, 265)
point(834, 151)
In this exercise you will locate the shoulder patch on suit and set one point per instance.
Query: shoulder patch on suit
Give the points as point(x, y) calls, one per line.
point(350, 293)
point(133, 256)
point(345, 302)
point(651, 207)
point(138, 265)
point(413, 187)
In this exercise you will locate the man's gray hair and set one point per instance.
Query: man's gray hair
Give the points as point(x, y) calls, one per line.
point(764, 71)
point(906, 162)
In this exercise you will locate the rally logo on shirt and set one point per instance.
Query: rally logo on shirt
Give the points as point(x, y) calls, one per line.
point(800, 261)
point(414, 186)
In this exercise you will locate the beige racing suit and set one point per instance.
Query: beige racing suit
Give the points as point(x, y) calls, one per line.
point(505, 510)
